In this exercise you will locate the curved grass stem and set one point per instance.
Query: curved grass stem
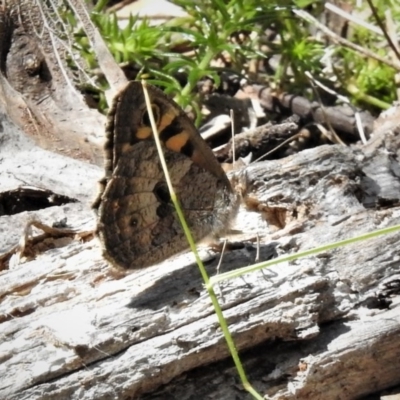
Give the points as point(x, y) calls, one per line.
point(221, 319)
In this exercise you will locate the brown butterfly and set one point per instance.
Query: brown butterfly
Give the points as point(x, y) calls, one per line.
point(137, 222)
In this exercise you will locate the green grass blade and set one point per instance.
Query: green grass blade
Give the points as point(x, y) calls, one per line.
point(213, 297)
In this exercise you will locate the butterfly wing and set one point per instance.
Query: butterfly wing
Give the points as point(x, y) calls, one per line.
point(137, 224)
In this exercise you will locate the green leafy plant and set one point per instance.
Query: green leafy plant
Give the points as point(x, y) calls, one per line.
point(235, 31)
point(212, 29)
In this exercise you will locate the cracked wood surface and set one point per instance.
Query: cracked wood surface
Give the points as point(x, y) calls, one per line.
point(71, 327)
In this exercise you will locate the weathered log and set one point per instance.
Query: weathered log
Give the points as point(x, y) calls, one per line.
point(326, 326)
point(73, 329)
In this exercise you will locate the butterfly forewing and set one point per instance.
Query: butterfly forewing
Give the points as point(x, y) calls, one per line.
point(137, 223)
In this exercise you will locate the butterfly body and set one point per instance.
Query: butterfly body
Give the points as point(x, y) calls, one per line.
point(137, 222)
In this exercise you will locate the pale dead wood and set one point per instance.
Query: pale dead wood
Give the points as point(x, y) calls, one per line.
point(36, 88)
point(73, 328)
point(115, 76)
point(67, 312)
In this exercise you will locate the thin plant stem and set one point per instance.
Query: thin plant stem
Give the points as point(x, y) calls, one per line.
point(346, 43)
point(383, 28)
point(255, 267)
point(217, 308)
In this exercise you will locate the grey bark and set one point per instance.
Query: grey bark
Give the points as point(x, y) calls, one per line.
point(325, 326)
point(73, 328)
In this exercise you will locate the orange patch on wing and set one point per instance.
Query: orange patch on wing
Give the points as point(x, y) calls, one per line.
point(175, 143)
point(143, 132)
point(166, 119)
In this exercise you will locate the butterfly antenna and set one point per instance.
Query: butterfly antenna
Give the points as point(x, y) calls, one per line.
point(222, 255)
point(232, 115)
point(219, 266)
point(257, 259)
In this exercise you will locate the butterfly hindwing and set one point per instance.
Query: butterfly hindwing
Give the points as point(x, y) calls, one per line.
point(137, 224)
